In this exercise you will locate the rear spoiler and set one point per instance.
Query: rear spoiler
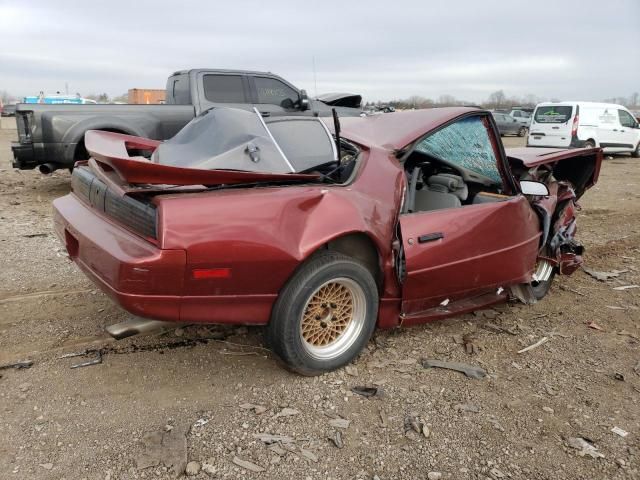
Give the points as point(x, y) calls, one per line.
point(111, 151)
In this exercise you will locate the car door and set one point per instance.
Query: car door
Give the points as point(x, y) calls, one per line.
point(500, 122)
point(608, 131)
point(629, 132)
point(457, 253)
point(272, 96)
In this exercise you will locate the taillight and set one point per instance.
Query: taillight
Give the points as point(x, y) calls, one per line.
point(574, 128)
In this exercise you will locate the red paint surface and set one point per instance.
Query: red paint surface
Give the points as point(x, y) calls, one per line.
point(263, 234)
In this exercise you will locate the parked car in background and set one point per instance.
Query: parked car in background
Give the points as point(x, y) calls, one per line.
point(8, 110)
point(585, 124)
point(52, 136)
point(507, 125)
point(522, 116)
point(402, 219)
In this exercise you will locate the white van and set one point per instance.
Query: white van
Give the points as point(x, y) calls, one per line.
point(585, 124)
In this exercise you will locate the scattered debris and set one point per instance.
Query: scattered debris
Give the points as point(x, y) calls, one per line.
point(17, 365)
point(168, 448)
point(269, 438)
point(411, 422)
point(595, 326)
point(568, 289)
point(466, 407)
point(620, 432)
point(547, 409)
point(46, 466)
point(287, 412)
point(492, 327)
point(469, 370)
point(201, 422)
point(445, 302)
point(426, 432)
point(88, 363)
point(384, 420)
point(496, 474)
point(351, 370)
point(585, 447)
point(309, 455)
point(368, 391)
point(247, 465)
point(603, 276)
point(192, 468)
point(626, 287)
point(339, 422)
point(336, 439)
point(542, 341)
point(468, 340)
point(434, 475)
point(258, 409)
point(34, 235)
point(628, 334)
point(209, 467)
point(618, 376)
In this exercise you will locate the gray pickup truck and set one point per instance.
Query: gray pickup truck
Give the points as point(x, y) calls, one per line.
point(52, 136)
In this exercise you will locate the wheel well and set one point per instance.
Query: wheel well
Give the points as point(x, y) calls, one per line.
point(81, 153)
point(362, 248)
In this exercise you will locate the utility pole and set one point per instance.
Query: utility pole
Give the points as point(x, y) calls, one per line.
point(315, 80)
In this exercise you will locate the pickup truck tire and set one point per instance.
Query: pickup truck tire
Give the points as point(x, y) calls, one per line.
point(636, 152)
point(325, 314)
point(589, 144)
point(522, 132)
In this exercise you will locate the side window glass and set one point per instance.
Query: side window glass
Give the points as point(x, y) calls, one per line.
point(274, 92)
point(224, 88)
point(465, 144)
point(626, 120)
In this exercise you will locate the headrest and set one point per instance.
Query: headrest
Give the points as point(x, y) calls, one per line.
point(448, 182)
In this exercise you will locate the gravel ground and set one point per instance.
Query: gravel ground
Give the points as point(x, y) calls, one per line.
point(198, 398)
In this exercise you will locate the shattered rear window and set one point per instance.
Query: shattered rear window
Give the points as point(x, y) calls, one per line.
point(466, 144)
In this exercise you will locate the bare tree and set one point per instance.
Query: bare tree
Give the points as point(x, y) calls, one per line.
point(497, 99)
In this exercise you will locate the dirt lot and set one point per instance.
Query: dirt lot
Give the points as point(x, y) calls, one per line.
point(170, 398)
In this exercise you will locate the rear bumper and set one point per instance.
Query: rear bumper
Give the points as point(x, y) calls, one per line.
point(143, 279)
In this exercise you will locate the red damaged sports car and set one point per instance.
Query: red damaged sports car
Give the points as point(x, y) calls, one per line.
point(322, 231)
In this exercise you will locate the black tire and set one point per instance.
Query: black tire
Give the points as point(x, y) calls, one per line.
point(589, 144)
point(522, 132)
point(284, 332)
point(636, 152)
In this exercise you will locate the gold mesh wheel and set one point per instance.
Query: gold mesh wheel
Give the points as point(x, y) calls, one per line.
point(333, 318)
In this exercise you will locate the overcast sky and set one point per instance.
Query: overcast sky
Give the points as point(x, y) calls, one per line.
point(567, 49)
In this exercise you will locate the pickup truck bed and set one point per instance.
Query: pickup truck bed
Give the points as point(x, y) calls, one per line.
point(55, 133)
point(52, 136)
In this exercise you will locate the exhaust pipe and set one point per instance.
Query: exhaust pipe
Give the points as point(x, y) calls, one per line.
point(136, 326)
point(48, 168)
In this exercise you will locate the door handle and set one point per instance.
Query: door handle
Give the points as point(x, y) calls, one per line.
point(265, 114)
point(615, 129)
point(430, 237)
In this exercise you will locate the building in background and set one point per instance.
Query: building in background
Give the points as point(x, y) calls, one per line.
point(146, 96)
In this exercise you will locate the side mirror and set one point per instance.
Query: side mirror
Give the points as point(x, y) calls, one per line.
point(534, 188)
point(303, 100)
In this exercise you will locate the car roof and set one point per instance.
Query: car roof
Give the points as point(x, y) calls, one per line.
point(396, 130)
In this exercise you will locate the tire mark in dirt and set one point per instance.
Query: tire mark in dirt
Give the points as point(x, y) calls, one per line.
point(45, 293)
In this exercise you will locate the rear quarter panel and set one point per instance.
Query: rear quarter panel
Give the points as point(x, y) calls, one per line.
point(263, 234)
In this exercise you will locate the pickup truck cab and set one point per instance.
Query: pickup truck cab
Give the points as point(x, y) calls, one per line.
point(52, 136)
